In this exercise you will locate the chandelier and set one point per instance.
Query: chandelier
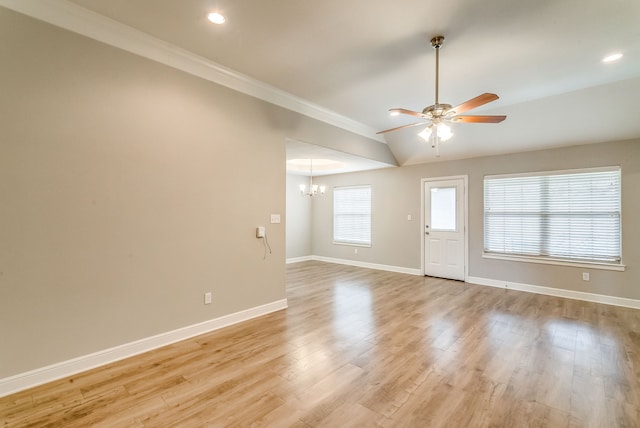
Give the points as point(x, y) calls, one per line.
point(314, 189)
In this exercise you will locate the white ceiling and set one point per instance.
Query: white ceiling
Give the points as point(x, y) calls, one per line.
point(361, 57)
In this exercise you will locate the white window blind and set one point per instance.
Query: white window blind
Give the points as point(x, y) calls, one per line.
point(567, 215)
point(352, 215)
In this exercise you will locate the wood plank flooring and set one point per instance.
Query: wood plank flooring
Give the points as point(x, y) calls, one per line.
point(366, 348)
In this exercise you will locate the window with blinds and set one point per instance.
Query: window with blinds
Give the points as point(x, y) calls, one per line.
point(352, 215)
point(561, 215)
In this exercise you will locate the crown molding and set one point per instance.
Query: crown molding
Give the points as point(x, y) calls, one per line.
point(77, 19)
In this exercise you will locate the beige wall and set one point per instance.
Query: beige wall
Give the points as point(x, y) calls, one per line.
point(397, 242)
point(128, 189)
point(298, 229)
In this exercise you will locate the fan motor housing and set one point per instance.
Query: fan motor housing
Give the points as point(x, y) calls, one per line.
point(437, 110)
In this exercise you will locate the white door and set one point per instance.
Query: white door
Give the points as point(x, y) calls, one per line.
point(444, 232)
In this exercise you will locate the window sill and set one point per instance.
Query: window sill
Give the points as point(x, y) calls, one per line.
point(558, 262)
point(351, 244)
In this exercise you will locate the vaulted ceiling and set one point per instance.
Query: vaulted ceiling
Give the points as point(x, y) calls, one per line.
point(359, 58)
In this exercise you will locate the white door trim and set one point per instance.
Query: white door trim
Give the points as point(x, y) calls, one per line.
point(465, 179)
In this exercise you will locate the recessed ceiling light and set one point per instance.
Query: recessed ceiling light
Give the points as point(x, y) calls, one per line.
point(612, 57)
point(216, 18)
point(394, 113)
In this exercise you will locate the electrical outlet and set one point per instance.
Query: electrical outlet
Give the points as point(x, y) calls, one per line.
point(275, 218)
point(207, 298)
point(355, 251)
point(585, 276)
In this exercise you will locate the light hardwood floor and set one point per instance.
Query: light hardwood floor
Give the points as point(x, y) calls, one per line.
point(364, 348)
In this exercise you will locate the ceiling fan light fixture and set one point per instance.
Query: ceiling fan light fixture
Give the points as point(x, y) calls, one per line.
point(444, 132)
point(426, 134)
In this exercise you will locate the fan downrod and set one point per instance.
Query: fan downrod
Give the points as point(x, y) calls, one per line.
point(436, 42)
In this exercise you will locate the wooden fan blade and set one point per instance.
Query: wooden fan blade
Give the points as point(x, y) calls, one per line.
point(409, 112)
point(473, 103)
point(400, 127)
point(478, 119)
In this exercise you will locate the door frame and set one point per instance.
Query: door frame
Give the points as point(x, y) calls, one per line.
point(465, 181)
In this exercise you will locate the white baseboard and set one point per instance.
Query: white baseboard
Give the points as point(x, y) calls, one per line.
point(299, 259)
point(557, 292)
point(549, 291)
point(67, 368)
point(376, 266)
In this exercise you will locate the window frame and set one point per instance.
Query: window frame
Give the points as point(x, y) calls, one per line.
point(352, 243)
point(551, 260)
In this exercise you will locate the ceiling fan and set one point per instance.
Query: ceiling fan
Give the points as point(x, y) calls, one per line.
point(438, 113)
